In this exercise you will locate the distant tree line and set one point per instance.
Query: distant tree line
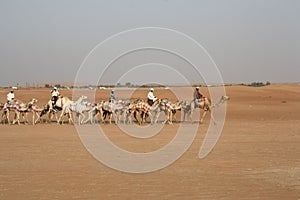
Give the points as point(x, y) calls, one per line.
point(257, 84)
point(127, 84)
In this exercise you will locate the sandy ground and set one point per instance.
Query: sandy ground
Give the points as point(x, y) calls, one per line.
point(256, 157)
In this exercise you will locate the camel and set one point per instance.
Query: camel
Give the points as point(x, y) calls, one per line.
point(168, 108)
point(92, 113)
point(120, 109)
point(15, 107)
point(36, 110)
point(3, 114)
point(21, 110)
point(24, 109)
point(51, 113)
point(79, 107)
point(107, 109)
point(63, 104)
point(204, 104)
point(144, 109)
point(128, 112)
point(176, 107)
point(115, 110)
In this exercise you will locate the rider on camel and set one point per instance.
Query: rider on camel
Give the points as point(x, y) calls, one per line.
point(10, 97)
point(112, 96)
point(197, 95)
point(151, 97)
point(54, 94)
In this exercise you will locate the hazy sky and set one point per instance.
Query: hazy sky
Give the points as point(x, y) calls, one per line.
point(46, 41)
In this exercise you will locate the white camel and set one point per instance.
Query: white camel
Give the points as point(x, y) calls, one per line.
point(120, 108)
point(80, 107)
point(63, 104)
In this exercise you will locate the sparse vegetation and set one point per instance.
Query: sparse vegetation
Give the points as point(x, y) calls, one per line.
point(48, 86)
point(258, 84)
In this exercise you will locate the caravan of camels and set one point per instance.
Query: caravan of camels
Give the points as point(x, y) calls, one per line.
point(119, 111)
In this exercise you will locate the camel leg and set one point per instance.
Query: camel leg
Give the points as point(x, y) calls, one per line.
point(135, 114)
point(156, 116)
point(170, 117)
point(144, 118)
point(166, 117)
point(101, 120)
point(56, 117)
point(189, 115)
point(17, 114)
point(50, 116)
point(15, 119)
point(115, 117)
point(150, 117)
point(78, 115)
point(83, 117)
point(61, 115)
point(183, 117)
point(95, 117)
point(33, 118)
point(125, 116)
point(38, 117)
point(109, 116)
point(70, 118)
point(89, 119)
point(174, 116)
point(120, 116)
point(202, 118)
point(7, 117)
point(26, 118)
point(3, 115)
point(128, 118)
point(167, 114)
point(213, 119)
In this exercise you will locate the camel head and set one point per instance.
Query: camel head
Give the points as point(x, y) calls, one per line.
point(221, 101)
point(83, 97)
point(178, 105)
point(33, 101)
point(225, 98)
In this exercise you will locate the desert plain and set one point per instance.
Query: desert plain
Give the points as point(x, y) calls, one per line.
point(256, 157)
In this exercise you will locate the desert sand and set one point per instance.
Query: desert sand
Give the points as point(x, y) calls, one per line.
point(256, 157)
